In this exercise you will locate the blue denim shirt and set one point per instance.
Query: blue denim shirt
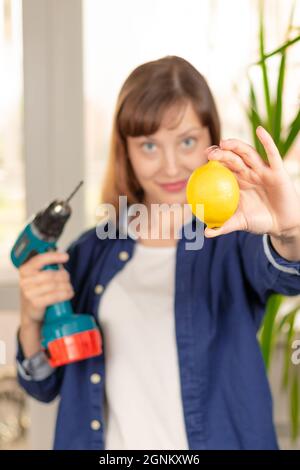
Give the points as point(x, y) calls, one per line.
point(220, 296)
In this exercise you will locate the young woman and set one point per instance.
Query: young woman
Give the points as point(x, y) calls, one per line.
point(181, 366)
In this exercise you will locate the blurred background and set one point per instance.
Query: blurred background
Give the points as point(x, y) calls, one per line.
point(62, 63)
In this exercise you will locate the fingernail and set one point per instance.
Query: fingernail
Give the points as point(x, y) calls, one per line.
point(64, 255)
point(212, 147)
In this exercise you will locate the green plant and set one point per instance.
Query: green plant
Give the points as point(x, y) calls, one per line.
point(275, 327)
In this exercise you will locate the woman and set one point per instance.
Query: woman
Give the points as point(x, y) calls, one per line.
point(181, 367)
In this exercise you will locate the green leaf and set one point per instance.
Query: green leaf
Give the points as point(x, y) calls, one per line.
point(291, 19)
point(263, 66)
point(285, 319)
point(279, 50)
point(277, 105)
point(292, 134)
point(255, 121)
point(294, 407)
point(288, 347)
point(268, 334)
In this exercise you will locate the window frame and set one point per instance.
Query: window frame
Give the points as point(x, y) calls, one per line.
point(53, 115)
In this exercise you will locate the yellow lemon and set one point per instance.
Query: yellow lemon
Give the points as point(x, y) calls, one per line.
point(216, 187)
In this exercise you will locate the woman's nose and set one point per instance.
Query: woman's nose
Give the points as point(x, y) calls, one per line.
point(171, 165)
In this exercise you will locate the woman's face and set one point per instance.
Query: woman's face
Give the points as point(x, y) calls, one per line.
point(163, 162)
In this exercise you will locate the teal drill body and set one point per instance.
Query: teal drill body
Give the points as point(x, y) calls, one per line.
point(65, 336)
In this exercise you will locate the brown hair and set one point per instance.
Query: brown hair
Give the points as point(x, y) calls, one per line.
point(149, 91)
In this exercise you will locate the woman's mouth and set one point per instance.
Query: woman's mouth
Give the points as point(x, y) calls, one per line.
point(174, 187)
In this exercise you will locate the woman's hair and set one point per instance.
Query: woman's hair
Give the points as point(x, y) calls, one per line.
point(149, 91)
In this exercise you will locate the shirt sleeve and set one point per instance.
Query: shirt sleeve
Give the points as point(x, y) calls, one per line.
point(290, 267)
point(264, 269)
point(80, 254)
point(36, 376)
point(35, 367)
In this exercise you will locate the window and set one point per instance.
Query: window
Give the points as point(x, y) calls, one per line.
point(12, 200)
point(118, 36)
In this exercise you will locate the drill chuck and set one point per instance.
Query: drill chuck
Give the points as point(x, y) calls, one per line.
point(50, 222)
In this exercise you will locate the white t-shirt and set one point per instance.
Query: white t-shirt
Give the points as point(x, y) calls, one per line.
point(142, 385)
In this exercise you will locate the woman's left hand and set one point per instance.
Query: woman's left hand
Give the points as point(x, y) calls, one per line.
point(268, 202)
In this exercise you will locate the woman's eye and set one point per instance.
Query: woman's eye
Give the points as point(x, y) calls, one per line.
point(149, 147)
point(189, 142)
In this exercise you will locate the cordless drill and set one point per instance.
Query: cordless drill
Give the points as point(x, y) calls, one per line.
point(66, 337)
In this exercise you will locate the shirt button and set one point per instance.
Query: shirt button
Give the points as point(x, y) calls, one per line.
point(98, 289)
point(123, 255)
point(95, 425)
point(95, 378)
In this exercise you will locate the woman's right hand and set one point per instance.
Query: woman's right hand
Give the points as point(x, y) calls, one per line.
point(39, 289)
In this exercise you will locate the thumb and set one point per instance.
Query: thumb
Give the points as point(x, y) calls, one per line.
point(231, 225)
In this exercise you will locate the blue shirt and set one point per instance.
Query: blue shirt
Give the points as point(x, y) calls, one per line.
point(220, 296)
